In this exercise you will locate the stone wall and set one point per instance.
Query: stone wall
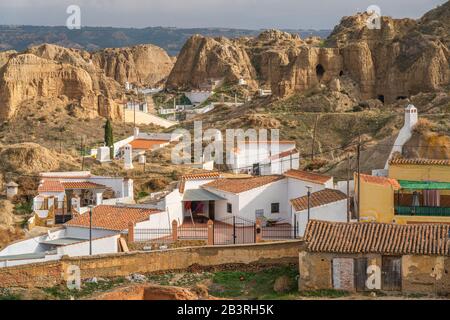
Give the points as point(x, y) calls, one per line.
point(123, 264)
point(420, 273)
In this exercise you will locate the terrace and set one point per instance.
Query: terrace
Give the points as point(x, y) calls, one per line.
point(423, 198)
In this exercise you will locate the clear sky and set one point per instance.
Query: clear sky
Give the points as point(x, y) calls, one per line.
point(247, 14)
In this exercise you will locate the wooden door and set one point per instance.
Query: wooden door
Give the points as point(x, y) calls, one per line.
point(343, 274)
point(391, 274)
point(360, 274)
point(212, 210)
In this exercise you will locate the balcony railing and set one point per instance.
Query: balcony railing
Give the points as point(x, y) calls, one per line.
point(422, 211)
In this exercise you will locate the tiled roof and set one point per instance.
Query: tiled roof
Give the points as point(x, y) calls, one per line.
point(197, 176)
point(146, 144)
point(115, 218)
point(380, 180)
point(318, 198)
point(235, 185)
point(50, 186)
point(284, 154)
point(424, 162)
point(82, 185)
point(307, 176)
point(382, 238)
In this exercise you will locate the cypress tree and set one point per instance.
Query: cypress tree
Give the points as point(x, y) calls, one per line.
point(109, 138)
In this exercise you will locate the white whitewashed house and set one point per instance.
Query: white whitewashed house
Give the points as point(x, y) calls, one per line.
point(326, 205)
point(61, 194)
point(264, 157)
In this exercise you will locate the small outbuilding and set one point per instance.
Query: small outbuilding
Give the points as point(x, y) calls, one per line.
point(376, 257)
point(12, 189)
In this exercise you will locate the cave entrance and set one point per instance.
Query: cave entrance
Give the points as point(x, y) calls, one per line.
point(381, 98)
point(341, 73)
point(320, 71)
point(402, 97)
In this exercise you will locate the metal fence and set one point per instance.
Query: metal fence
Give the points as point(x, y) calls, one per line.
point(193, 233)
point(153, 235)
point(279, 232)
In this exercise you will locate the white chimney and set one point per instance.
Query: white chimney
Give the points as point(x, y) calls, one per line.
point(411, 116)
point(128, 157)
point(136, 132)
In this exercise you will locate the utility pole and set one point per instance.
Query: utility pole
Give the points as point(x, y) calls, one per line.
point(134, 112)
point(90, 230)
point(359, 176)
point(314, 137)
point(309, 203)
point(348, 187)
point(82, 154)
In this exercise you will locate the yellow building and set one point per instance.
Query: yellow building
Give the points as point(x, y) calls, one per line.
point(415, 191)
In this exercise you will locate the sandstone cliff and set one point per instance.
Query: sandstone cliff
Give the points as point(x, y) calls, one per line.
point(145, 65)
point(204, 58)
point(403, 58)
point(89, 81)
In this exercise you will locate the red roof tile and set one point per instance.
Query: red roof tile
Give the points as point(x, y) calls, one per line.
point(382, 238)
point(82, 185)
point(318, 199)
point(422, 162)
point(115, 218)
point(308, 176)
point(146, 144)
point(379, 180)
point(50, 186)
point(238, 185)
point(197, 176)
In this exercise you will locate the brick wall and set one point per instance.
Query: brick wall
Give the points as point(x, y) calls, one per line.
point(123, 264)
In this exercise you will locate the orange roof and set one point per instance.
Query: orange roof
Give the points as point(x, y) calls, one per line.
point(318, 199)
point(115, 218)
point(284, 154)
point(382, 238)
point(50, 186)
point(197, 176)
point(82, 185)
point(238, 185)
point(308, 176)
point(146, 144)
point(420, 162)
point(383, 181)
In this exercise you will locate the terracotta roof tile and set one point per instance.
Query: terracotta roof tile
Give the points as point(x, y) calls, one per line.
point(115, 218)
point(382, 238)
point(50, 186)
point(238, 185)
point(307, 176)
point(284, 154)
point(318, 198)
point(424, 162)
point(82, 185)
point(197, 176)
point(146, 144)
point(379, 180)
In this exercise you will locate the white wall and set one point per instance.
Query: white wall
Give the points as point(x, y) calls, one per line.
point(83, 233)
point(159, 220)
point(172, 203)
point(99, 246)
point(261, 199)
point(334, 212)
point(31, 245)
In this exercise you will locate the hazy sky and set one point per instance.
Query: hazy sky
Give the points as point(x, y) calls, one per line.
point(250, 14)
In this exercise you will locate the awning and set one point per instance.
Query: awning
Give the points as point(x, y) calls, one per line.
point(424, 185)
point(200, 195)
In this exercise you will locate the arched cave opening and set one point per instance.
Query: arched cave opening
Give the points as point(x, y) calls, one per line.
point(381, 98)
point(341, 73)
point(320, 71)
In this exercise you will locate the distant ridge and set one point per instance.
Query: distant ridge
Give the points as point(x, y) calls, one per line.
point(171, 39)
